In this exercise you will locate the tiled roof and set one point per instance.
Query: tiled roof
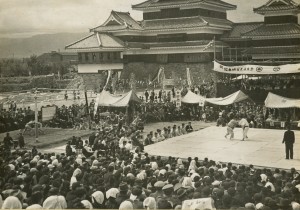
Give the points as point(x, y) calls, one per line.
point(187, 22)
point(286, 29)
point(97, 40)
point(176, 3)
point(173, 44)
point(217, 22)
point(127, 22)
point(240, 28)
point(274, 50)
point(275, 5)
point(132, 23)
point(173, 23)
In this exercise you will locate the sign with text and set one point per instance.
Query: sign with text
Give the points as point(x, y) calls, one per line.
point(257, 69)
point(48, 113)
point(202, 203)
point(178, 98)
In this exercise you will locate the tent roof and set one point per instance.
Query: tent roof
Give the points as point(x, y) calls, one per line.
point(124, 100)
point(107, 99)
point(276, 101)
point(231, 99)
point(192, 98)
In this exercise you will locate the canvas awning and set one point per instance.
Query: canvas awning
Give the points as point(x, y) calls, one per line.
point(107, 99)
point(276, 101)
point(192, 98)
point(124, 100)
point(231, 99)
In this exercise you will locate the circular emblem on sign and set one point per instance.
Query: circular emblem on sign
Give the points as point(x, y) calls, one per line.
point(259, 69)
point(276, 68)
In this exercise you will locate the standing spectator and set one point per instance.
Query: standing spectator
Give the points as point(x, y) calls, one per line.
point(66, 95)
point(146, 95)
point(152, 94)
point(160, 95)
point(34, 151)
point(289, 140)
point(21, 140)
point(7, 141)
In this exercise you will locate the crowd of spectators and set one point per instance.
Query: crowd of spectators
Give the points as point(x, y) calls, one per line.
point(15, 118)
point(263, 83)
point(111, 171)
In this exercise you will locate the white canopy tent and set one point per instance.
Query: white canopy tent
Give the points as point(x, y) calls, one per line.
point(107, 99)
point(192, 98)
point(231, 99)
point(276, 101)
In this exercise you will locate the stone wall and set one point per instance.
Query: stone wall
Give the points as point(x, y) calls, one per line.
point(93, 81)
point(199, 71)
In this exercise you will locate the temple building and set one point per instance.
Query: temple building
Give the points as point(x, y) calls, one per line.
point(178, 34)
point(276, 39)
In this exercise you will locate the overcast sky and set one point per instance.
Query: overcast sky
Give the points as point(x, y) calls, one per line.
point(21, 18)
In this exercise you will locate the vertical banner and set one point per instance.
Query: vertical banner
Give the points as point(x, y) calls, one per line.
point(178, 99)
point(96, 104)
point(132, 81)
point(188, 77)
point(107, 80)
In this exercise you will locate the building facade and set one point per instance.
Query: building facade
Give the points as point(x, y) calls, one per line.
point(177, 34)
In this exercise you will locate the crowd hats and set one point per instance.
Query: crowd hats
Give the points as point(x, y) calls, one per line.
point(159, 184)
point(168, 186)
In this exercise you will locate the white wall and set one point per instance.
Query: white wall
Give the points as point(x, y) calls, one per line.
point(94, 68)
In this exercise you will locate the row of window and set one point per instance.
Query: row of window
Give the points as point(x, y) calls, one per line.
point(177, 12)
point(170, 58)
point(169, 38)
point(95, 57)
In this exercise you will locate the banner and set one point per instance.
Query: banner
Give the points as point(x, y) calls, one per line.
point(188, 77)
point(178, 98)
point(257, 69)
point(48, 113)
point(107, 79)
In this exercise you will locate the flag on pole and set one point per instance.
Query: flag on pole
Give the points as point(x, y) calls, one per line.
point(160, 75)
point(209, 45)
point(96, 104)
point(107, 79)
point(188, 77)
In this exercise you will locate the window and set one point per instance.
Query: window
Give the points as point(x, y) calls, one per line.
point(80, 57)
point(101, 56)
point(116, 57)
point(108, 56)
point(94, 56)
point(86, 56)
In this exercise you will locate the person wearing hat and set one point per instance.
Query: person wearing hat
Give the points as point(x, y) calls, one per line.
point(284, 204)
point(289, 140)
point(123, 195)
point(169, 196)
point(158, 193)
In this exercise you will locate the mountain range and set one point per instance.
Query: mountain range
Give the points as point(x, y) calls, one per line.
point(36, 45)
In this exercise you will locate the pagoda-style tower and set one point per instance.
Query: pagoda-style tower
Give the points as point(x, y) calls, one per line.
point(175, 34)
point(276, 39)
